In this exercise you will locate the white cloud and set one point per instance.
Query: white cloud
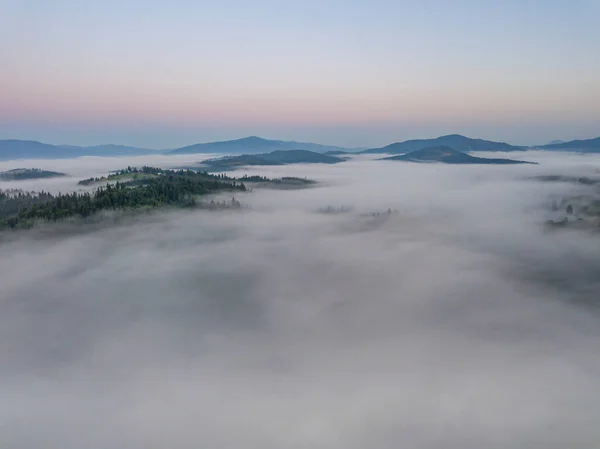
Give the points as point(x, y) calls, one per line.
point(455, 323)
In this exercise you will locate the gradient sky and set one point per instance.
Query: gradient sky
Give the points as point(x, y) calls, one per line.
point(164, 74)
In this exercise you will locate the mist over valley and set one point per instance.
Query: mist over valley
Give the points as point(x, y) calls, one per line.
point(436, 310)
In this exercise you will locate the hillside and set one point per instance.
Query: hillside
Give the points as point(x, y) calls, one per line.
point(30, 149)
point(231, 162)
point(453, 141)
point(19, 174)
point(253, 145)
point(337, 152)
point(278, 157)
point(583, 146)
point(147, 188)
point(299, 157)
point(166, 188)
point(447, 155)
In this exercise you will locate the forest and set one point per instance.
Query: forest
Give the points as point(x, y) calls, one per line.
point(178, 188)
point(20, 174)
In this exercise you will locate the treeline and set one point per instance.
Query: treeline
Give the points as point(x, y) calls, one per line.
point(90, 181)
point(282, 180)
point(12, 203)
point(134, 172)
point(19, 174)
point(137, 173)
point(167, 187)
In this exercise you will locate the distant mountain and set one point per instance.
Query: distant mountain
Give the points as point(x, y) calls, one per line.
point(300, 157)
point(277, 157)
point(253, 145)
point(20, 174)
point(111, 150)
point(555, 142)
point(584, 146)
point(30, 149)
point(453, 141)
point(448, 155)
point(231, 162)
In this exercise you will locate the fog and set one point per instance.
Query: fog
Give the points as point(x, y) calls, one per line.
point(456, 322)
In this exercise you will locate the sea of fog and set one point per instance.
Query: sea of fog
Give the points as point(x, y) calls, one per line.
point(454, 322)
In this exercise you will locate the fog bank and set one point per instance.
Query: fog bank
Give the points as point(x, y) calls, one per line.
point(454, 321)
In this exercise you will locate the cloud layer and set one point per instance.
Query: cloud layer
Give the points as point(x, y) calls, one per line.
point(455, 323)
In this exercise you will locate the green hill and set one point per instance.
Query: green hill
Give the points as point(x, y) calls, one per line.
point(231, 162)
point(166, 188)
point(299, 157)
point(30, 149)
point(20, 174)
point(453, 141)
point(252, 145)
point(448, 155)
point(337, 152)
point(583, 146)
point(277, 157)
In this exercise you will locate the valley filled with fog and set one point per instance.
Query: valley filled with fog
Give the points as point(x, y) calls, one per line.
point(392, 305)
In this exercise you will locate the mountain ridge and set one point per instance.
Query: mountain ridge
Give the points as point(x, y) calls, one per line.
point(32, 149)
point(454, 141)
point(447, 155)
point(17, 174)
point(253, 144)
point(277, 157)
point(582, 145)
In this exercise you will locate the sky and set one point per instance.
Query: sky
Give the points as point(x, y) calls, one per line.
point(164, 74)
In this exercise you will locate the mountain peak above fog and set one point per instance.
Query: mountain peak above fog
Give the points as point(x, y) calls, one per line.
point(453, 141)
point(252, 144)
point(580, 145)
point(448, 155)
point(31, 149)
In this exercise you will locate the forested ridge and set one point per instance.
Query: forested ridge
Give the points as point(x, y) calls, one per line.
point(165, 187)
point(19, 174)
point(126, 174)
